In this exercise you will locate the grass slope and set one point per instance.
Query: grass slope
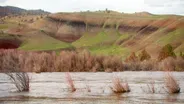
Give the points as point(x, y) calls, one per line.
point(110, 50)
point(43, 42)
point(175, 36)
point(100, 38)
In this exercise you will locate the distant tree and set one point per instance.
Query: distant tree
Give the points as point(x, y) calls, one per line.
point(144, 55)
point(107, 11)
point(166, 51)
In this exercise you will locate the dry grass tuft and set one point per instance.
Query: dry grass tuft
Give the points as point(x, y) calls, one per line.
point(88, 88)
point(171, 83)
point(151, 87)
point(20, 80)
point(119, 87)
point(70, 82)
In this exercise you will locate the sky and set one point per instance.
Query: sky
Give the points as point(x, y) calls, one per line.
point(126, 6)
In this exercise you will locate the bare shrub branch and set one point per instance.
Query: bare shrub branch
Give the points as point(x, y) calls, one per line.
point(20, 80)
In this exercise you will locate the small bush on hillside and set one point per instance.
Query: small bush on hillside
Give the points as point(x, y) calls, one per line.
point(166, 51)
point(132, 58)
point(181, 55)
point(31, 20)
point(144, 55)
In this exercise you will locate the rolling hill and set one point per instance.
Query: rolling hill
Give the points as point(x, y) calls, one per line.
point(101, 32)
point(10, 10)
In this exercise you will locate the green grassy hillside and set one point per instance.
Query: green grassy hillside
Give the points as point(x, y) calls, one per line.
point(100, 32)
point(43, 42)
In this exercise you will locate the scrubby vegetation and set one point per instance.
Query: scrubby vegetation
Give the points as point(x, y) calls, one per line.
point(119, 87)
point(171, 84)
point(150, 87)
point(65, 61)
point(144, 55)
point(20, 80)
point(167, 51)
point(80, 61)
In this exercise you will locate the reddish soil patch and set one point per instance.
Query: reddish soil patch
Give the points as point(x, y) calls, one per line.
point(9, 43)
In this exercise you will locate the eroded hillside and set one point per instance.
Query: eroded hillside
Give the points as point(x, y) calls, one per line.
point(106, 33)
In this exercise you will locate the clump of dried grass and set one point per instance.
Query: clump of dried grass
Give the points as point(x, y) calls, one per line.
point(171, 83)
point(88, 88)
point(70, 82)
point(20, 80)
point(119, 87)
point(150, 87)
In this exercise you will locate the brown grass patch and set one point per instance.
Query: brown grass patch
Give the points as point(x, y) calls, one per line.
point(119, 87)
